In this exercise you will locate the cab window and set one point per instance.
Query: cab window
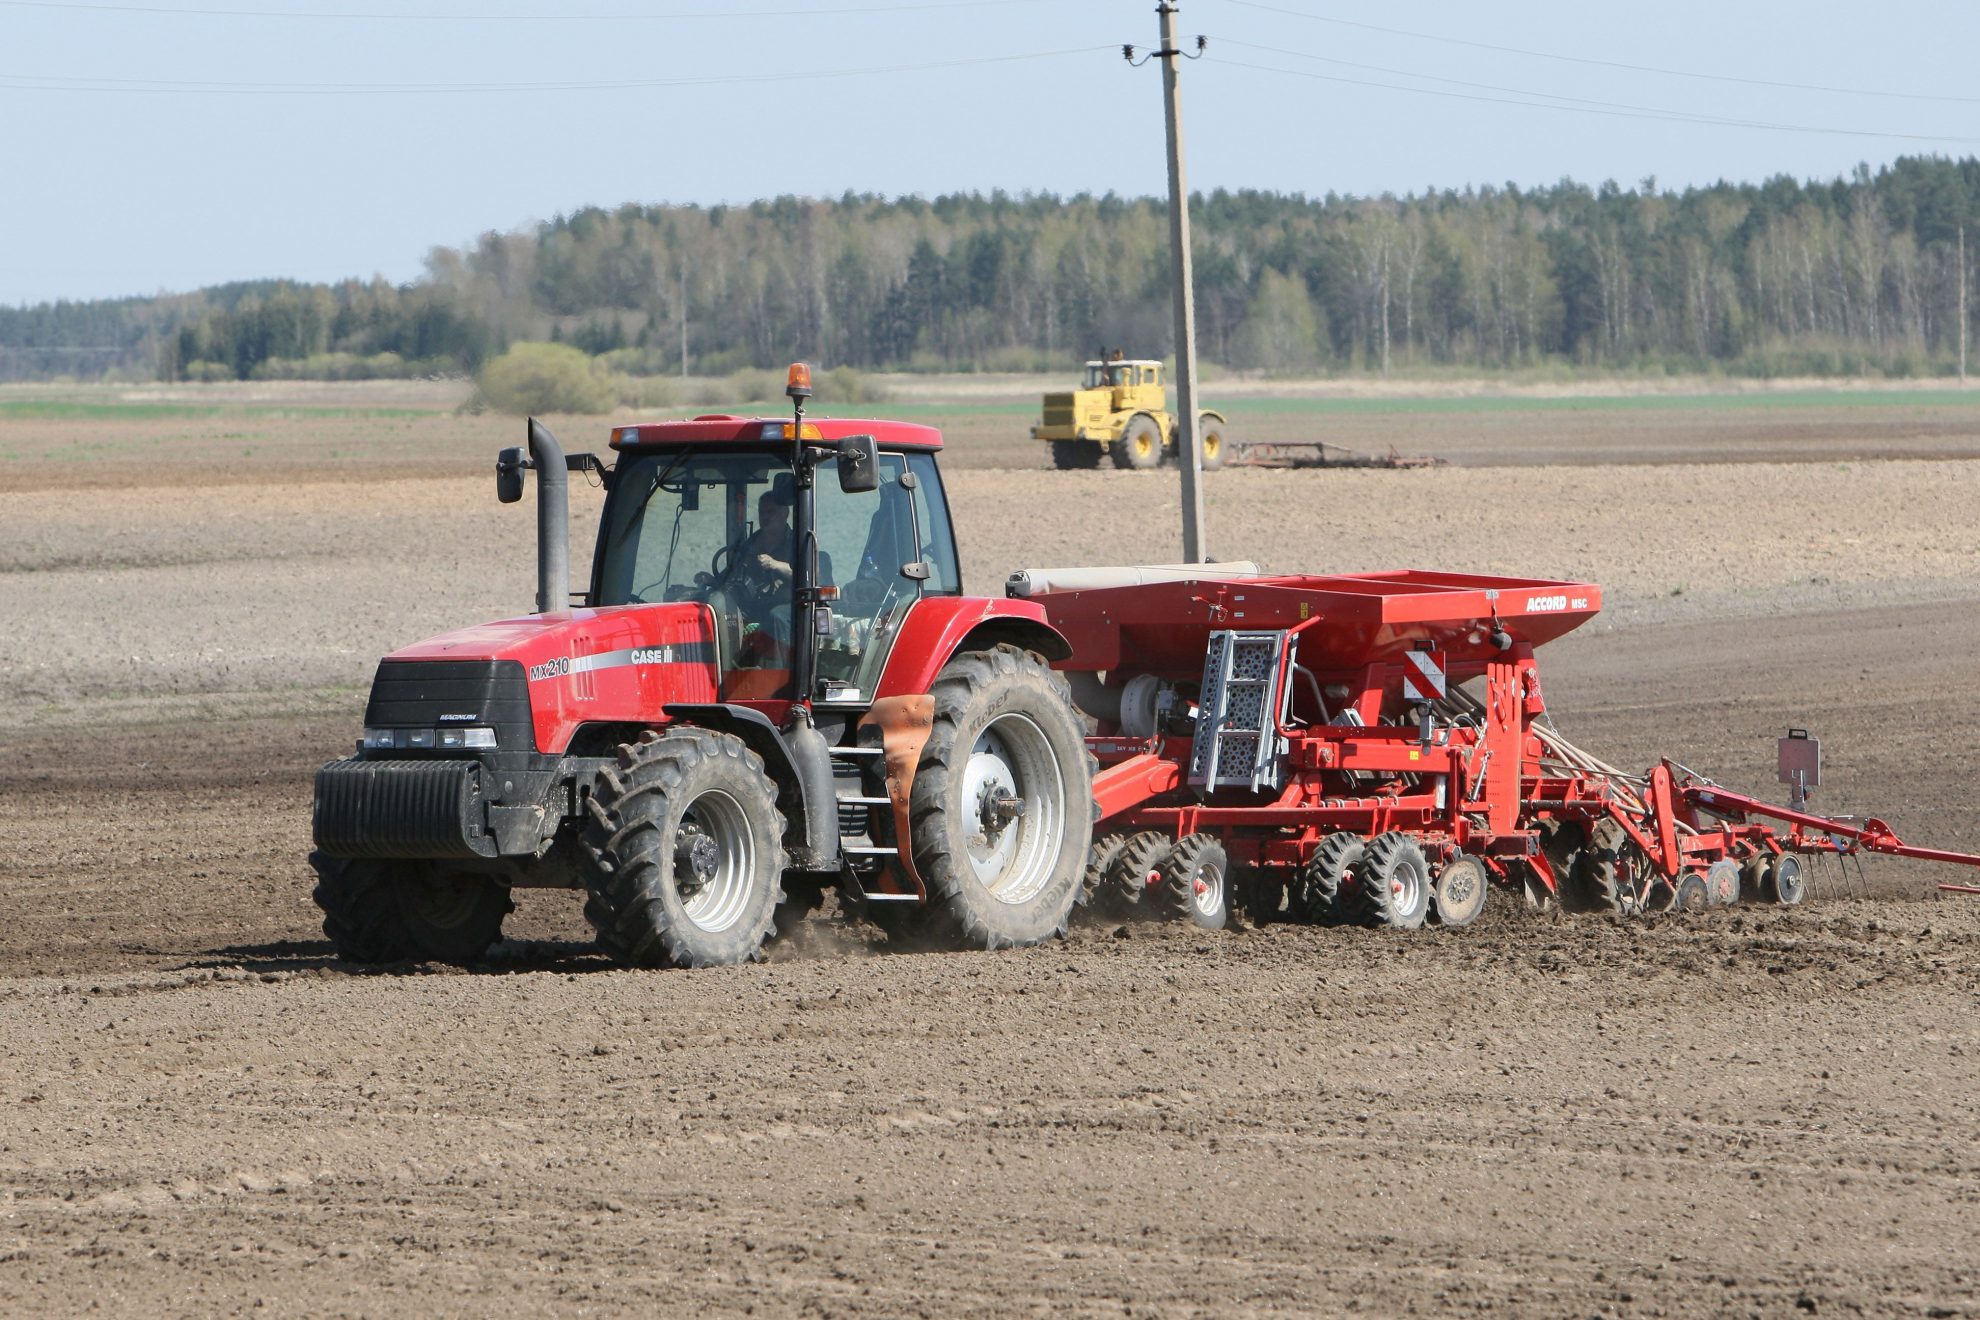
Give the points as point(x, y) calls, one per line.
point(938, 541)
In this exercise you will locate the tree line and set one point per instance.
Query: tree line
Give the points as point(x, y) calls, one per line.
point(1865, 274)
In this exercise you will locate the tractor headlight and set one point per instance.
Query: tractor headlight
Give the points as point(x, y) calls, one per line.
point(385, 740)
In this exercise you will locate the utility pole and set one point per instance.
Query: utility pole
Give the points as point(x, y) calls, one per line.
point(1189, 447)
point(1962, 306)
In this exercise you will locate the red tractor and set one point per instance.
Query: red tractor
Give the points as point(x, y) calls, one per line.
point(772, 685)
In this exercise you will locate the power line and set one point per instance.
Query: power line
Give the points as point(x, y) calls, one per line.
point(176, 12)
point(1609, 64)
point(26, 82)
point(1647, 111)
point(1601, 108)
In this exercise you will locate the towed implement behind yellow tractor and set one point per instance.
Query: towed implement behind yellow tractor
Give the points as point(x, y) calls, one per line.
point(1123, 410)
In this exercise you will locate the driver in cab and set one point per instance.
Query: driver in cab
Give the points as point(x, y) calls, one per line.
point(763, 574)
point(766, 553)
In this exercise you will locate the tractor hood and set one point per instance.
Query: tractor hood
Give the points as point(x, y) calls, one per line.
point(620, 664)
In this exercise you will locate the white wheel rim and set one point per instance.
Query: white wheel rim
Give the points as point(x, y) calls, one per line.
point(1408, 892)
point(1013, 857)
point(1207, 887)
point(719, 903)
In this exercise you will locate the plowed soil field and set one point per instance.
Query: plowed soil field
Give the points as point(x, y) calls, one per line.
point(1750, 1111)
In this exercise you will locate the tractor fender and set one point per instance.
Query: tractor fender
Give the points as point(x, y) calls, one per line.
point(1212, 412)
point(799, 764)
point(939, 626)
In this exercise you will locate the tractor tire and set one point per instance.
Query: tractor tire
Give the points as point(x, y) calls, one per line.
point(1606, 875)
point(1195, 884)
point(1075, 455)
point(1722, 882)
point(1392, 883)
point(1692, 893)
point(1210, 433)
point(1460, 891)
point(1785, 884)
point(1002, 804)
point(397, 911)
point(1094, 895)
point(1139, 448)
point(687, 854)
point(1318, 898)
point(1125, 887)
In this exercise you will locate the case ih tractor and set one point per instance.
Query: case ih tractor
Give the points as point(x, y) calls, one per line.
point(1123, 411)
point(772, 684)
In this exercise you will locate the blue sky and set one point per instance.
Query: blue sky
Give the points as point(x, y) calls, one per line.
point(111, 189)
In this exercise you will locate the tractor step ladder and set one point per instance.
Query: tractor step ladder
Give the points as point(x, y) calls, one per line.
point(854, 803)
point(1237, 727)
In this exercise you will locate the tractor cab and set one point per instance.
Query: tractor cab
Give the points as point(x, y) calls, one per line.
point(716, 511)
point(1134, 380)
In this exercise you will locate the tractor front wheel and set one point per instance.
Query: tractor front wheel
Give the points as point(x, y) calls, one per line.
point(392, 911)
point(1002, 804)
point(686, 846)
point(1140, 447)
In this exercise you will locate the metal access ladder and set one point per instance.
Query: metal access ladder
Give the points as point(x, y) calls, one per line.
point(1237, 739)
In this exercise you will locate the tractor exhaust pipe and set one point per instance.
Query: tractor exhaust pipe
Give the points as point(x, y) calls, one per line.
point(553, 520)
point(553, 511)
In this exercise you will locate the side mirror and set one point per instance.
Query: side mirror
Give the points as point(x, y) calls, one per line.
point(509, 465)
point(859, 464)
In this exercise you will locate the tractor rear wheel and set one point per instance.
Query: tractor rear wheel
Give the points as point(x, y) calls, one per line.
point(392, 911)
point(1392, 883)
point(1195, 884)
point(1318, 898)
point(1459, 894)
point(687, 853)
point(1002, 804)
point(1210, 433)
point(1075, 455)
point(1140, 446)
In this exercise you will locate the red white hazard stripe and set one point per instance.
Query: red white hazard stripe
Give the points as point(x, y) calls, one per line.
point(1423, 676)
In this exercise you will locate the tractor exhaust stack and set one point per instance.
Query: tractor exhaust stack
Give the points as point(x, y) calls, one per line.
point(553, 520)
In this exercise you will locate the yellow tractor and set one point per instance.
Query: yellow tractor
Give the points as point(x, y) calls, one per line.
point(1121, 410)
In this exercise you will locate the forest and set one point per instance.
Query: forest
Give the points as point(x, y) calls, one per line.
point(1865, 275)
